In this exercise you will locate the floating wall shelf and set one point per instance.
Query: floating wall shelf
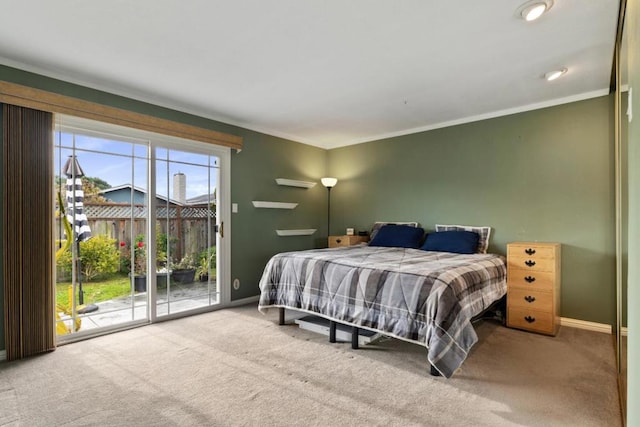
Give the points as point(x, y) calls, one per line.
point(302, 232)
point(273, 205)
point(295, 183)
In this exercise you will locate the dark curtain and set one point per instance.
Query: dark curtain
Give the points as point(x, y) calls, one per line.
point(27, 231)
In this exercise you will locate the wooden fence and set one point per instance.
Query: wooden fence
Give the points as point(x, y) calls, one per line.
point(186, 226)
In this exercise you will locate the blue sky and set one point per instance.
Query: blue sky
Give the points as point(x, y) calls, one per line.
point(120, 163)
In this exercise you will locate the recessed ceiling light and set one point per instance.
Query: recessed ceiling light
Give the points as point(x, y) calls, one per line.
point(533, 9)
point(552, 75)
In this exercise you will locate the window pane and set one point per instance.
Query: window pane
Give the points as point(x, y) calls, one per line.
point(100, 281)
point(186, 185)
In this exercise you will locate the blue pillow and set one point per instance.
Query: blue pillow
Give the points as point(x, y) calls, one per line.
point(398, 236)
point(460, 242)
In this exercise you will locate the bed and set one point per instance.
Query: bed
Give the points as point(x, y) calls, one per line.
point(422, 296)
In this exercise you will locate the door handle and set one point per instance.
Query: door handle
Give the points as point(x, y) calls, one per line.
point(220, 229)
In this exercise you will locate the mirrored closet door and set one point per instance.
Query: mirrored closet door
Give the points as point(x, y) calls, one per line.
point(622, 97)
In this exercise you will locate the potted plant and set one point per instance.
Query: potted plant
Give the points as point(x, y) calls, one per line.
point(162, 267)
point(202, 272)
point(207, 262)
point(139, 265)
point(185, 270)
point(161, 277)
point(138, 271)
point(139, 268)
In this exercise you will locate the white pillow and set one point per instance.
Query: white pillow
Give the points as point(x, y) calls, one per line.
point(378, 225)
point(483, 232)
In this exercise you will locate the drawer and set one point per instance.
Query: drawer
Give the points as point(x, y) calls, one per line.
point(527, 299)
point(531, 279)
point(336, 241)
point(339, 241)
point(537, 264)
point(531, 251)
point(531, 320)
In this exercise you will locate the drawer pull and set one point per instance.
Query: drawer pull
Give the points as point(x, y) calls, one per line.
point(529, 298)
point(530, 251)
point(530, 263)
point(530, 279)
point(530, 319)
point(338, 240)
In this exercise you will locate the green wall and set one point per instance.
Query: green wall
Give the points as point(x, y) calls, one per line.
point(543, 175)
point(254, 170)
point(253, 173)
point(633, 298)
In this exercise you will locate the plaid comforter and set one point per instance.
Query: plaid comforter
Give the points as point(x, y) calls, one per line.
point(424, 297)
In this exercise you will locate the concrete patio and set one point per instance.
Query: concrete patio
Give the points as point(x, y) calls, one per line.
point(182, 297)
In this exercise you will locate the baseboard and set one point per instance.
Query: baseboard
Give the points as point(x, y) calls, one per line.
point(3, 355)
point(243, 301)
point(583, 324)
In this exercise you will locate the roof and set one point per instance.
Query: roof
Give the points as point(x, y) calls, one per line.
point(140, 190)
point(197, 200)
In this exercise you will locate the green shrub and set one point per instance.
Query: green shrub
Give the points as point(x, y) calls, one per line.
point(161, 248)
point(63, 262)
point(164, 243)
point(98, 256)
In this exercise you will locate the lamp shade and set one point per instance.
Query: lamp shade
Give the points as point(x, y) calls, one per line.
point(329, 182)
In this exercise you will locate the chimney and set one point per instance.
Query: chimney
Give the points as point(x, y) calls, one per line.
point(180, 187)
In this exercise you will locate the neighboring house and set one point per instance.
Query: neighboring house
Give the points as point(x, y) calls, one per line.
point(122, 194)
point(202, 200)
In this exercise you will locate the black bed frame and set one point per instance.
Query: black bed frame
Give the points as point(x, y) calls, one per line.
point(496, 311)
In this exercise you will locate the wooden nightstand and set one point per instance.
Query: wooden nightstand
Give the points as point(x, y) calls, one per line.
point(337, 241)
point(533, 287)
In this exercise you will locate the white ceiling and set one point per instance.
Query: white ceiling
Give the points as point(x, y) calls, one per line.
point(323, 72)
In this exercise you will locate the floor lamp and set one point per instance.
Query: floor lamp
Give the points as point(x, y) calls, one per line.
point(329, 183)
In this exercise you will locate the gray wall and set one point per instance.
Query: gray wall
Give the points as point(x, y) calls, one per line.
point(123, 195)
point(544, 175)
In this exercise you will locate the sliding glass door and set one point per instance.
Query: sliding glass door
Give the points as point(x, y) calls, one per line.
point(187, 228)
point(100, 222)
point(139, 227)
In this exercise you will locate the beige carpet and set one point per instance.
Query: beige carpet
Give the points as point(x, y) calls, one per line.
point(237, 367)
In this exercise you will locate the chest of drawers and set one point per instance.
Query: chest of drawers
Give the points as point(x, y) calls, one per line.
point(533, 286)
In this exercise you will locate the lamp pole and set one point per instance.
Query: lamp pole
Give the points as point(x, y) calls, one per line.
point(328, 211)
